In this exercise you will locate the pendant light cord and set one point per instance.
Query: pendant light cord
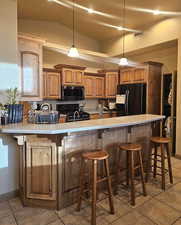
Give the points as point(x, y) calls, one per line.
point(73, 22)
point(124, 22)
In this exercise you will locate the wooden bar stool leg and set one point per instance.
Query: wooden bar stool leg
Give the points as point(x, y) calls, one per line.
point(82, 170)
point(94, 190)
point(132, 178)
point(109, 186)
point(155, 161)
point(117, 167)
point(148, 168)
point(169, 163)
point(142, 173)
point(163, 166)
point(127, 166)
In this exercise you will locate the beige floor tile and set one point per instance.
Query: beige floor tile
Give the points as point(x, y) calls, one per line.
point(125, 196)
point(172, 198)
point(176, 163)
point(35, 217)
point(158, 212)
point(15, 204)
point(57, 222)
point(177, 187)
point(176, 175)
point(133, 218)
point(7, 220)
point(5, 209)
point(178, 222)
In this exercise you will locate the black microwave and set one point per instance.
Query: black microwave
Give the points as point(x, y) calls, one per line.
point(73, 93)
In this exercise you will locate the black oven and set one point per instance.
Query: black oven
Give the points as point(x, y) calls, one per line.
point(73, 93)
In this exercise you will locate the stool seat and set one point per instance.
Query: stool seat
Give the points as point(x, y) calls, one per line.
point(96, 155)
point(160, 140)
point(130, 147)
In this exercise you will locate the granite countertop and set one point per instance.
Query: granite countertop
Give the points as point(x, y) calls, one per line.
point(87, 125)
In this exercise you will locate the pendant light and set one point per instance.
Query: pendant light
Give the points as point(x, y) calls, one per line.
point(124, 60)
point(73, 52)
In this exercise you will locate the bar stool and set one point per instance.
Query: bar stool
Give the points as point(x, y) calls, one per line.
point(94, 157)
point(131, 150)
point(163, 142)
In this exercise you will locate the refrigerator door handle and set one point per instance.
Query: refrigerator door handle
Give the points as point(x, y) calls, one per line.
point(127, 100)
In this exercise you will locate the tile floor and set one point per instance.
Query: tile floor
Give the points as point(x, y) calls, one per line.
point(158, 208)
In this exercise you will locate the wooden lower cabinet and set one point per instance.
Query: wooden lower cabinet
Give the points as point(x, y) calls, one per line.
point(38, 173)
point(41, 169)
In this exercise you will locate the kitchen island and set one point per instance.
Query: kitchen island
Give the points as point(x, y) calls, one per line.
point(50, 154)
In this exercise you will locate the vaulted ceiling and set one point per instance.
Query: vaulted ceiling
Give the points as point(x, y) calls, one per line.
point(97, 25)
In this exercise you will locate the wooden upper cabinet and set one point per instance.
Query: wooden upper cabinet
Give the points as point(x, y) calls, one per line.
point(111, 82)
point(52, 85)
point(126, 76)
point(78, 77)
point(139, 75)
point(89, 83)
point(71, 75)
point(133, 75)
point(94, 86)
point(99, 81)
point(67, 76)
point(41, 170)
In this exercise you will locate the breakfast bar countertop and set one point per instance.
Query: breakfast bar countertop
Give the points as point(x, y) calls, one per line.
point(87, 125)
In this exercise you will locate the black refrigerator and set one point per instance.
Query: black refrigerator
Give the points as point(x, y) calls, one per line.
point(131, 99)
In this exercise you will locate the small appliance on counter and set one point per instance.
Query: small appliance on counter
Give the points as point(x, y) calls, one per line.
point(44, 115)
point(72, 112)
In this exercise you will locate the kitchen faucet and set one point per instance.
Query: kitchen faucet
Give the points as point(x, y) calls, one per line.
point(76, 112)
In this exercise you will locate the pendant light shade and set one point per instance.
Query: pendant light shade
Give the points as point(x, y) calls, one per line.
point(73, 52)
point(123, 61)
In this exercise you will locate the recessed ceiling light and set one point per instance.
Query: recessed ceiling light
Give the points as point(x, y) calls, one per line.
point(120, 28)
point(90, 11)
point(156, 12)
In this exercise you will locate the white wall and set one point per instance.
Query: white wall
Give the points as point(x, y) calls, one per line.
point(9, 78)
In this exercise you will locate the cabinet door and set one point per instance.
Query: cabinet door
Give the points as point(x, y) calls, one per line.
point(111, 84)
point(139, 75)
point(99, 87)
point(30, 74)
point(78, 77)
point(89, 83)
point(51, 85)
point(126, 76)
point(41, 170)
point(67, 76)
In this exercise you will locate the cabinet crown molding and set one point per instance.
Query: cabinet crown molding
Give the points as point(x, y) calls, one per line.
point(61, 66)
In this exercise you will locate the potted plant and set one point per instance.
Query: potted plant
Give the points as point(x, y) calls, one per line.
point(15, 110)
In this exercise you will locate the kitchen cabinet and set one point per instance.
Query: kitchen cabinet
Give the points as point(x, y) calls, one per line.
point(94, 85)
point(41, 169)
point(71, 75)
point(30, 65)
point(133, 75)
point(52, 84)
point(111, 82)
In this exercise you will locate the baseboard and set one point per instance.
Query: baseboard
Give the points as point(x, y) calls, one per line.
point(178, 156)
point(9, 195)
